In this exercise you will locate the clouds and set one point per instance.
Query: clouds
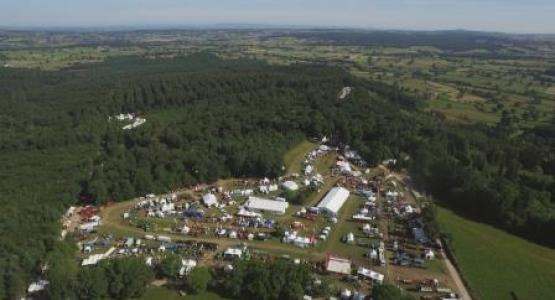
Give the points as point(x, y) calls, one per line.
point(499, 15)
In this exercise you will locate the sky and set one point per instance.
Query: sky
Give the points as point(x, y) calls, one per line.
point(519, 16)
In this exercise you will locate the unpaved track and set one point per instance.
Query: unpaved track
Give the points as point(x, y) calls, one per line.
point(111, 217)
point(464, 294)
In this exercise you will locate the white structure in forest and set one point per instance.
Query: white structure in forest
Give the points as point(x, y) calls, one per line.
point(333, 201)
point(138, 122)
point(345, 92)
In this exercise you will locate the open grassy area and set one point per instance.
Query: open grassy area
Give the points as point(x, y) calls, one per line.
point(293, 159)
point(461, 111)
point(334, 245)
point(497, 264)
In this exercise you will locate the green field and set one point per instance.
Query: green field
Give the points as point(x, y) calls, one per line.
point(497, 264)
point(461, 111)
point(294, 158)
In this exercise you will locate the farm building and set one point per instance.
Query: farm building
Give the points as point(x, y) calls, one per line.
point(333, 201)
point(266, 205)
point(209, 200)
point(338, 265)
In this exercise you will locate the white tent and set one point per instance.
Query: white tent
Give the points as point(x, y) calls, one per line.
point(366, 228)
point(290, 185)
point(209, 199)
point(249, 214)
point(346, 293)
point(374, 276)
point(334, 200)
point(373, 254)
point(350, 238)
point(267, 205)
point(338, 265)
point(148, 261)
point(344, 167)
point(233, 253)
point(429, 254)
point(37, 286)
point(186, 266)
point(95, 258)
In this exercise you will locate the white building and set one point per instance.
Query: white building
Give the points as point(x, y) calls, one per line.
point(266, 205)
point(209, 200)
point(333, 201)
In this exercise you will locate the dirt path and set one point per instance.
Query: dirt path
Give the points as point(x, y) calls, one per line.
point(464, 294)
point(112, 221)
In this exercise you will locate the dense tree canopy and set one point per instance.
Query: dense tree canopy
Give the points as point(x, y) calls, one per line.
point(389, 292)
point(266, 280)
point(197, 281)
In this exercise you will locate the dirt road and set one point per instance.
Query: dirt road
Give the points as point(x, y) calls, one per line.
point(464, 294)
point(112, 221)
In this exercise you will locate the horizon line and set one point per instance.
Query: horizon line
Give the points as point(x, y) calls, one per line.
point(236, 25)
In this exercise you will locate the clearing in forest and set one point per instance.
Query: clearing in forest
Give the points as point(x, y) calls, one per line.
point(293, 159)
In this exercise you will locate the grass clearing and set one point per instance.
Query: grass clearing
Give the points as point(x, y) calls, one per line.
point(293, 159)
point(324, 164)
point(497, 263)
point(461, 111)
point(334, 245)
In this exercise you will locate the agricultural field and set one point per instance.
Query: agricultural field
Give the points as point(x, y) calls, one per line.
point(499, 265)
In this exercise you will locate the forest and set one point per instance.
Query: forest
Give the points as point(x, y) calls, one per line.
point(450, 40)
point(209, 118)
